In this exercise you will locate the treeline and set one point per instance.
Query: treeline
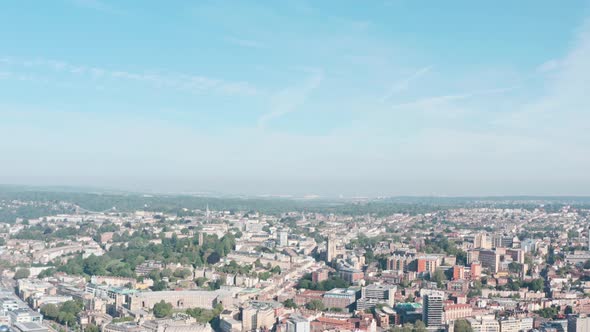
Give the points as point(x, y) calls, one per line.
point(128, 202)
point(121, 260)
point(333, 281)
point(65, 313)
point(177, 204)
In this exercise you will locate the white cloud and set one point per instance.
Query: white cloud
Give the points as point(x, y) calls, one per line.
point(549, 65)
point(563, 108)
point(434, 101)
point(183, 82)
point(405, 84)
point(289, 99)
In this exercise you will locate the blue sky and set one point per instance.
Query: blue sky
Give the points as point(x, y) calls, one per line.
point(298, 97)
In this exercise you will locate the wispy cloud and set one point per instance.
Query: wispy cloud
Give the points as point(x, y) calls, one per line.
point(178, 81)
point(549, 65)
point(289, 99)
point(563, 109)
point(437, 100)
point(405, 83)
point(249, 43)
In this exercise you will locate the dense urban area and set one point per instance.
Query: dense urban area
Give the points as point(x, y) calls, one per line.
point(141, 263)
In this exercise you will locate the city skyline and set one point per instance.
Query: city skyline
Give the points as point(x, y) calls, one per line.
point(381, 99)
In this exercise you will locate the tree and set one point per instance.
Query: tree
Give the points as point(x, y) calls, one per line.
point(439, 277)
point(182, 273)
point(162, 309)
point(315, 305)
point(419, 326)
point(213, 258)
point(94, 266)
point(569, 310)
point(550, 312)
point(50, 311)
point(22, 273)
point(159, 285)
point(536, 285)
point(462, 325)
point(289, 303)
point(66, 313)
point(47, 273)
point(200, 281)
point(91, 328)
point(514, 267)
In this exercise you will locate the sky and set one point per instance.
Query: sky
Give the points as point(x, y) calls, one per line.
point(295, 97)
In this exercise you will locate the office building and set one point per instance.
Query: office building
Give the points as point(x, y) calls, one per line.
point(432, 311)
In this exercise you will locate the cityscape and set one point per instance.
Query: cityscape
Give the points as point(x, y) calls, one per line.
point(294, 166)
point(491, 265)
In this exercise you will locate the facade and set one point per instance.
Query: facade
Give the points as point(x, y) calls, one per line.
point(481, 240)
point(181, 299)
point(258, 315)
point(484, 324)
point(516, 325)
point(490, 259)
point(228, 324)
point(184, 324)
point(475, 270)
point(351, 275)
point(382, 293)
point(517, 255)
point(298, 323)
point(399, 262)
point(283, 238)
point(113, 281)
point(427, 264)
point(319, 275)
point(577, 323)
point(432, 312)
point(339, 298)
point(331, 249)
point(458, 272)
point(457, 311)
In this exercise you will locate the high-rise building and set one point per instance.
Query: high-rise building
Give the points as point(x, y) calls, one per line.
point(339, 298)
point(502, 241)
point(380, 293)
point(458, 272)
point(576, 323)
point(432, 311)
point(490, 259)
point(472, 256)
point(319, 275)
point(331, 250)
point(258, 315)
point(297, 323)
point(475, 270)
point(399, 262)
point(517, 255)
point(283, 238)
point(427, 263)
point(481, 240)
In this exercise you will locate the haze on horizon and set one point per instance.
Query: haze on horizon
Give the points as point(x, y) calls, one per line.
point(393, 97)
